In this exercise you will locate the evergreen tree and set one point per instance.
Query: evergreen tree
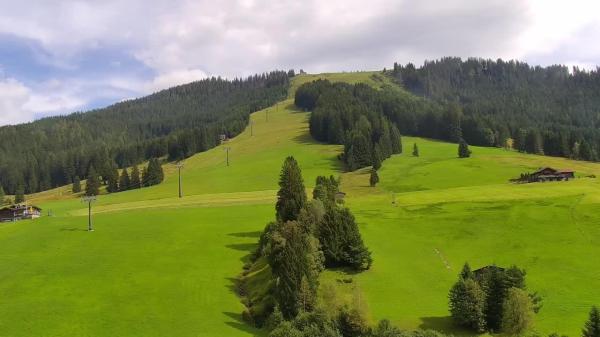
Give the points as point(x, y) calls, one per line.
point(533, 142)
point(496, 293)
point(154, 173)
point(359, 153)
point(385, 329)
point(374, 179)
point(396, 139)
point(377, 158)
point(463, 149)
point(92, 186)
point(20, 194)
point(296, 280)
point(2, 196)
point(135, 181)
point(76, 185)
point(145, 177)
point(518, 312)
point(124, 181)
point(112, 185)
point(415, 152)
point(467, 302)
point(592, 326)
point(466, 272)
point(341, 241)
point(291, 196)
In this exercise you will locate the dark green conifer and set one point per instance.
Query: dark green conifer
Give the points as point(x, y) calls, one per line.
point(113, 181)
point(20, 194)
point(592, 326)
point(135, 181)
point(124, 181)
point(92, 186)
point(463, 149)
point(76, 185)
point(374, 179)
point(291, 196)
point(415, 152)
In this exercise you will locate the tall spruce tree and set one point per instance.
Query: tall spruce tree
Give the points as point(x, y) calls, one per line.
point(415, 152)
point(124, 181)
point(92, 185)
point(341, 241)
point(296, 281)
point(20, 194)
point(396, 139)
point(112, 185)
point(517, 312)
point(135, 181)
point(76, 185)
point(154, 174)
point(145, 177)
point(374, 178)
point(467, 303)
point(291, 196)
point(592, 326)
point(463, 149)
point(2, 196)
point(496, 293)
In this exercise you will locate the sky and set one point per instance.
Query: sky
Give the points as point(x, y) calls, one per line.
point(58, 57)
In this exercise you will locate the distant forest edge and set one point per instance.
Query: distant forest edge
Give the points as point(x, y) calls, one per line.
point(541, 110)
point(544, 110)
point(177, 122)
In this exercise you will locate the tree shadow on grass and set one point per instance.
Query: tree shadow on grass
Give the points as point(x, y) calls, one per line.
point(238, 323)
point(249, 248)
point(73, 229)
point(244, 247)
point(255, 234)
point(233, 285)
point(445, 325)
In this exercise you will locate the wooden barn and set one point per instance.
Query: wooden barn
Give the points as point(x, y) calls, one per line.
point(550, 174)
point(19, 212)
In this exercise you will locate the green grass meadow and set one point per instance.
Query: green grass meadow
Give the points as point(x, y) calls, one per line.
point(157, 265)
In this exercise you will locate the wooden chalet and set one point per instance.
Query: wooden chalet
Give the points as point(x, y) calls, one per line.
point(19, 212)
point(550, 174)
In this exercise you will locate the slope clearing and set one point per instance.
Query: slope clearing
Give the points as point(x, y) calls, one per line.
point(158, 265)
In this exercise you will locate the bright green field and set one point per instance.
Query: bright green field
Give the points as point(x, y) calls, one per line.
point(450, 210)
point(162, 266)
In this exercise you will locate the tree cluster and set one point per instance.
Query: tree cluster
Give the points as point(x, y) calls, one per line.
point(346, 324)
point(543, 110)
point(493, 299)
point(307, 237)
point(352, 115)
point(176, 123)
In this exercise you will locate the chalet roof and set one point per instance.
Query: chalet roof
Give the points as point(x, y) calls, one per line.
point(19, 207)
point(544, 169)
point(539, 171)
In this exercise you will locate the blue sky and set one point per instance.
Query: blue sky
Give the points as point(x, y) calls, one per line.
point(58, 57)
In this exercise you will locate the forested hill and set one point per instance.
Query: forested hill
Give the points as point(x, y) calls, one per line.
point(176, 122)
point(548, 110)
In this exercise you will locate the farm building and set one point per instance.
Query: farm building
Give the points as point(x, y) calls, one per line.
point(550, 174)
point(19, 212)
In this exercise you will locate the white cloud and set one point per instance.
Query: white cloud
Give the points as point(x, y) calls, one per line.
point(19, 103)
point(174, 78)
point(185, 40)
point(13, 98)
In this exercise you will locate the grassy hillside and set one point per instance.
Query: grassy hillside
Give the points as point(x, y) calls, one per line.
point(158, 265)
point(450, 210)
